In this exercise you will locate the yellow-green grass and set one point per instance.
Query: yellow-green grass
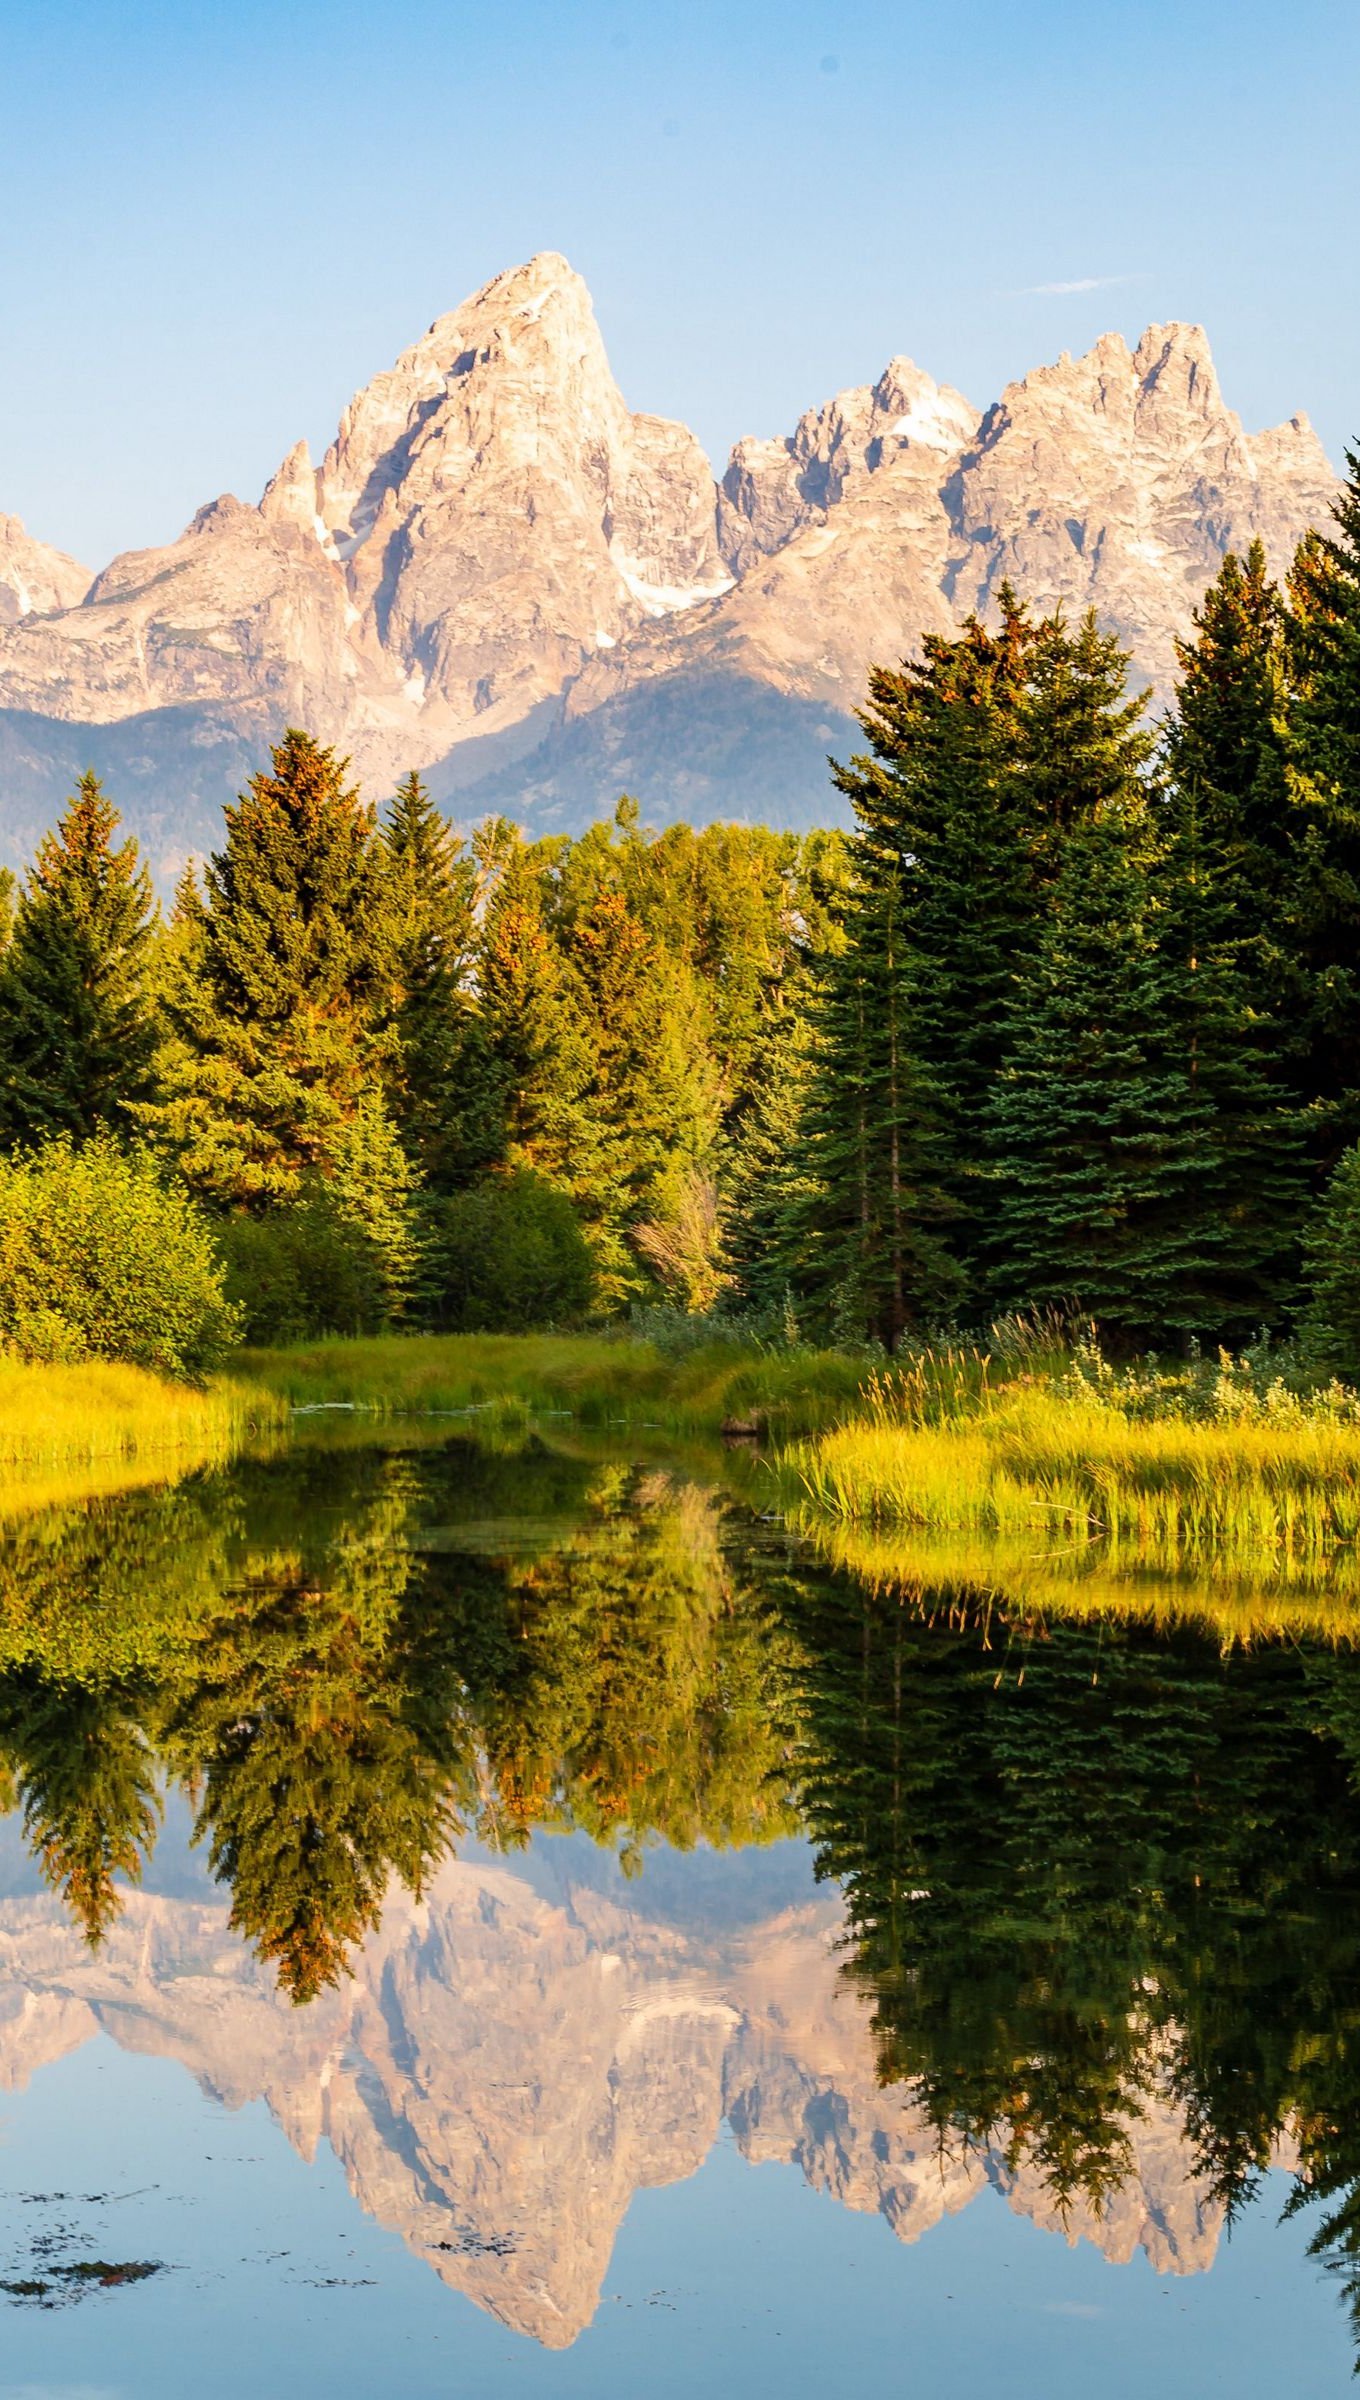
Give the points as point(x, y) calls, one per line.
point(78, 1430)
point(599, 1380)
point(1070, 1468)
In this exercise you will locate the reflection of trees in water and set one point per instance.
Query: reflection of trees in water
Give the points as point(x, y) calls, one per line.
point(1085, 1862)
point(1082, 1861)
point(341, 1693)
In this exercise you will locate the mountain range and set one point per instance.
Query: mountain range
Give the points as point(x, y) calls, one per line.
point(502, 575)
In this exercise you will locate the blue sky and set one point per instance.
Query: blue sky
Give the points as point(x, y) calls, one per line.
point(219, 219)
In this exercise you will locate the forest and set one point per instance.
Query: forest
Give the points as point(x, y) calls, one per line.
point(1067, 1027)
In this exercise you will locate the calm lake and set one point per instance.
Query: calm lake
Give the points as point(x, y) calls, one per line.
point(514, 1920)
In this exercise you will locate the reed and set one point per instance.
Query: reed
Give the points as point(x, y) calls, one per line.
point(74, 1430)
point(1231, 1473)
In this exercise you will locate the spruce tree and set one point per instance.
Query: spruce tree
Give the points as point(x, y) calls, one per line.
point(936, 799)
point(1144, 1173)
point(275, 1033)
point(650, 1106)
point(534, 1023)
point(1239, 1225)
point(773, 1195)
point(76, 1024)
point(1085, 1124)
point(437, 1071)
point(1227, 746)
point(875, 1260)
point(1324, 898)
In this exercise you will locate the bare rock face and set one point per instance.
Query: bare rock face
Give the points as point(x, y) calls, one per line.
point(507, 2069)
point(35, 580)
point(500, 571)
point(1119, 480)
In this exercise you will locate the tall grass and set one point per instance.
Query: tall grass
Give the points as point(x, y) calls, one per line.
point(1182, 1465)
point(70, 1431)
point(595, 1378)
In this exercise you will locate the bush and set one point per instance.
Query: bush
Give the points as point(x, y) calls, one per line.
point(1331, 1325)
point(100, 1257)
point(302, 1271)
point(506, 1255)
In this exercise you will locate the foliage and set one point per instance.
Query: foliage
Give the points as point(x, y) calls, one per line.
point(600, 1379)
point(274, 1043)
point(76, 1025)
point(505, 1255)
point(429, 898)
point(1323, 640)
point(101, 1257)
point(1238, 1465)
point(1332, 1244)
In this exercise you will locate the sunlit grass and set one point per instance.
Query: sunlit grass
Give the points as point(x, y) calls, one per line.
point(1257, 1478)
point(68, 1432)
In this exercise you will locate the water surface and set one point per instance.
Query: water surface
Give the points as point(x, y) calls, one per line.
point(517, 1921)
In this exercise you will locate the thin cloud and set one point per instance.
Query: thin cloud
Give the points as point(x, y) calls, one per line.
point(1078, 283)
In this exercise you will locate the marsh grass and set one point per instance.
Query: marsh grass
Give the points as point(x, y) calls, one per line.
point(595, 1379)
point(71, 1431)
point(1181, 1466)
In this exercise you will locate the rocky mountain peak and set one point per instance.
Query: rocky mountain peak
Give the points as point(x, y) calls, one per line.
point(503, 573)
point(290, 497)
point(35, 580)
point(773, 488)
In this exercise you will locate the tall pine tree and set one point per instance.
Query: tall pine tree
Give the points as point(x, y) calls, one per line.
point(76, 1023)
point(1324, 642)
point(1145, 1173)
point(438, 1072)
point(1226, 747)
point(275, 1045)
point(875, 1260)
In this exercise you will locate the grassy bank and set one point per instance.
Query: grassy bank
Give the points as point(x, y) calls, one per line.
point(1177, 1469)
point(597, 1379)
point(69, 1431)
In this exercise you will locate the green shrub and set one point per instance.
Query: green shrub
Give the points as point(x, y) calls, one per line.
point(302, 1271)
point(505, 1255)
point(1332, 1253)
point(100, 1257)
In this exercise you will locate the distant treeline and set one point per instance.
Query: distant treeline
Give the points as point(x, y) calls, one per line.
point(1071, 1020)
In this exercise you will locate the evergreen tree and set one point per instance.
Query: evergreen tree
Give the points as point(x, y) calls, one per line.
point(76, 1026)
point(1143, 1172)
point(773, 1195)
point(651, 1103)
point(1324, 642)
point(87, 1780)
point(533, 1017)
point(1240, 1220)
point(875, 1256)
point(938, 803)
point(1332, 1252)
point(1226, 754)
point(438, 1076)
point(275, 1033)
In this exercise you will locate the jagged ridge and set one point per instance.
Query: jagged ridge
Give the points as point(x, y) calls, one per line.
point(501, 573)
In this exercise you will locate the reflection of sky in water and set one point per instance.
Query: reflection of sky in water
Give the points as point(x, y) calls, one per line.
point(282, 2284)
point(611, 2132)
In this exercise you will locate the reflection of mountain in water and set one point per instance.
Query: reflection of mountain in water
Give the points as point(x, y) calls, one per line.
point(1096, 1937)
point(507, 2068)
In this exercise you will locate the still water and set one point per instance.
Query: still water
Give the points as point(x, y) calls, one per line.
point(514, 1922)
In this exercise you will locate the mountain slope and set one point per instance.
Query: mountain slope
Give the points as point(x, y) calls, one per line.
point(501, 573)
